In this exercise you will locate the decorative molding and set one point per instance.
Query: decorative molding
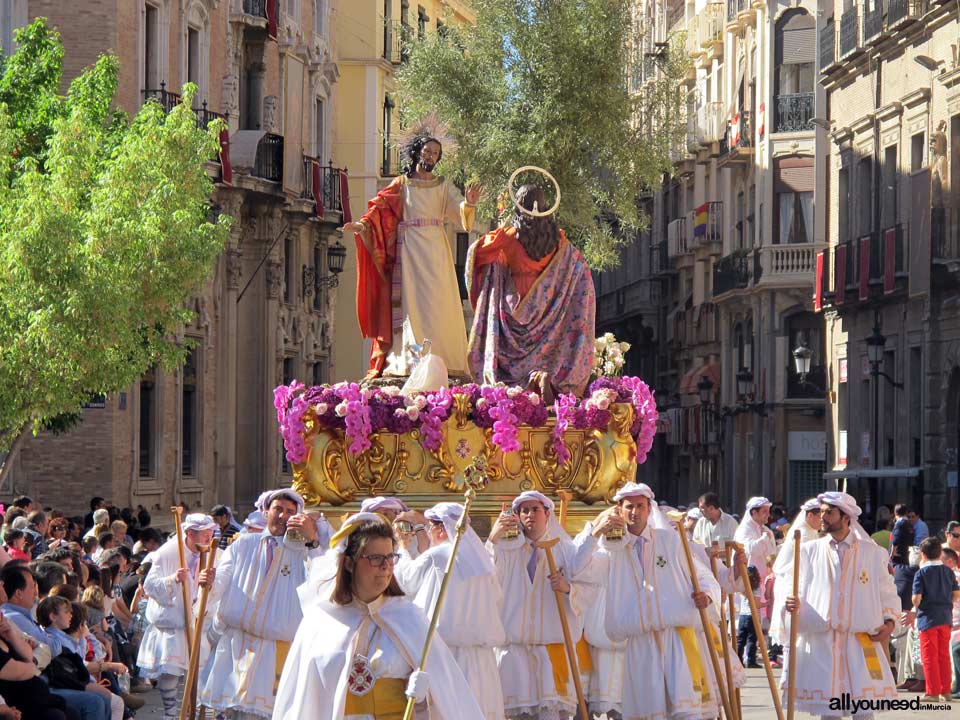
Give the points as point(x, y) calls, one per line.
point(890, 113)
point(863, 123)
point(274, 278)
point(234, 268)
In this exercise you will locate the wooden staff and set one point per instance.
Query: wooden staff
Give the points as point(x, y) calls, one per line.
point(727, 665)
point(547, 546)
point(792, 667)
point(732, 599)
point(177, 512)
point(189, 704)
point(761, 640)
point(705, 621)
point(469, 497)
point(565, 497)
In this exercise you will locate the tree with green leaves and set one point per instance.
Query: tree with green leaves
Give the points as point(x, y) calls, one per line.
point(105, 234)
point(552, 84)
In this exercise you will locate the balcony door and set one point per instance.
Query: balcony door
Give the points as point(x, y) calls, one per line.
point(796, 47)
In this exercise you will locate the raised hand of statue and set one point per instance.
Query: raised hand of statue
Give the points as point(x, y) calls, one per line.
point(473, 194)
point(353, 227)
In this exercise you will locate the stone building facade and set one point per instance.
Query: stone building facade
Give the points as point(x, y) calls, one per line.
point(206, 432)
point(891, 164)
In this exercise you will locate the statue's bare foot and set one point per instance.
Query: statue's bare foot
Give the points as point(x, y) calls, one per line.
point(372, 374)
point(539, 382)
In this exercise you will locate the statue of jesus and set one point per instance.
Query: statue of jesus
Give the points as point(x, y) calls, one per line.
point(407, 289)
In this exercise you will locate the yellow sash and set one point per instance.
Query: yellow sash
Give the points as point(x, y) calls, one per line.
point(688, 638)
point(386, 701)
point(870, 655)
point(584, 660)
point(282, 648)
point(561, 668)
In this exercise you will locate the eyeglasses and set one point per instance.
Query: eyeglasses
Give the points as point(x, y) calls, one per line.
point(955, 535)
point(378, 561)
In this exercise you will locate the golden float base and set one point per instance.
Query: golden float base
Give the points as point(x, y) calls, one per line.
point(600, 463)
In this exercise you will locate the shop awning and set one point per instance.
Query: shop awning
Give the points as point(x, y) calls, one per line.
point(688, 383)
point(887, 472)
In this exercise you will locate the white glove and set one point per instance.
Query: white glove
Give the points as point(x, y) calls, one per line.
point(418, 686)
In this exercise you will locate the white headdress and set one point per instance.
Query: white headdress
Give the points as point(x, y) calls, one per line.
point(657, 519)
point(848, 504)
point(375, 504)
point(263, 502)
point(811, 505)
point(198, 521)
point(748, 521)
point(554, 528)
point(255, 520)
point(784, 562)
point(472, 557)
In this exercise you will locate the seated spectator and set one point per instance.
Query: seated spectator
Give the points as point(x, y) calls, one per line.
point(118, 528)
point(48, 574)
point(106, 543)
point(22, 689)
point(15, 541)
point(68, 669)
point(70, 592)
point(38, 529)
point(57, 532)
point(90, 546)
point(101, 523)
point(150, 540)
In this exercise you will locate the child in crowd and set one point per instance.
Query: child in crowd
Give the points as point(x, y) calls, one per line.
point(15, 545)
point(766, 609)
point(935, 590)
point(949, 558)
point(746, 633)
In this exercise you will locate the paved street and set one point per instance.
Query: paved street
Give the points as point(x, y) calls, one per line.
point(755, 699)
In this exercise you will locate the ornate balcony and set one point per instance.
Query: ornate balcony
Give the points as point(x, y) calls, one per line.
point(794, 111)
point(322, 184)
point(394, 37)
point(677, 238)
point(710, 123)
point(269, 159)
point(787, 265)
point(390, 165)
point(710, 31)
point(732, 272)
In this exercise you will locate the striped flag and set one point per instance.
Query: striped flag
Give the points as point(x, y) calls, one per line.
point(700, 218)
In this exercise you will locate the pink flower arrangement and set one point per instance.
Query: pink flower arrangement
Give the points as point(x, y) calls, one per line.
point(361, 412)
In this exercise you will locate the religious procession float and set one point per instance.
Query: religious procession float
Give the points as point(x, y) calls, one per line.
point(527, 400)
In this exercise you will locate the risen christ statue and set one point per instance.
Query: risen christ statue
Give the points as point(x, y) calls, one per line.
point(407, 286)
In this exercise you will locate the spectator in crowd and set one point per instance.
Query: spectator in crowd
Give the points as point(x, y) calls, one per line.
point(118, 528)
point(90, 545)
point(143, 517)
point(746, 633)
point(149, 541)
point(920, 530)
point(950, 559)
point(15, 540)
point(57, 530)
point(882, 536)
point(107, 542)
point(38, 529)
point(935, 589)
point(766, 608)
point(96, 503)
point(951, 536)
point(227, 527)
point(26, 504)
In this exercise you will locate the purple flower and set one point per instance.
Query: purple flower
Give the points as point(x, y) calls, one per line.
point(563, 408)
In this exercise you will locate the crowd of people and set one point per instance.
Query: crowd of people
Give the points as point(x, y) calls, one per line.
point(302, 620)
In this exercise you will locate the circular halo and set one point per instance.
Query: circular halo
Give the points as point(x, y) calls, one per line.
point(513, 196)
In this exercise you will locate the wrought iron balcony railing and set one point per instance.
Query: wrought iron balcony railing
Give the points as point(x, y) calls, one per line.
point(257, 8)
point(794, 111)
point(322, 184)
point(268, 164)
point(731, 272)
point(169, 100)
point(391, 158)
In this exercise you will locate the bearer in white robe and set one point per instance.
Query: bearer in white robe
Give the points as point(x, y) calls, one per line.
point(603, 684)
point(396, 511)
point(651, 605)
point(808, 523)
point(846, 610)
point(259, 609)
point(534, 669)
point(356, 652)
point(164, 654)
point(470, 620)
point(714, 524)
point(757, 539)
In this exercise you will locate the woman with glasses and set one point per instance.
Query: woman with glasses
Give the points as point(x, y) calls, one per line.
point(356, 651)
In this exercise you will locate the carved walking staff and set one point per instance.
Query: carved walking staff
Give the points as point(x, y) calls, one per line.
point(178, 521)
point(727, 665)
point(792, 667)
point(468, 497)
point(188, 706)
point(758, 629)
point(547, 546)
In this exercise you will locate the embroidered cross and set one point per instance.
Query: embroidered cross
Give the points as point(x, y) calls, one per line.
point(661, 562)
point(285, 570)
point(864, 578)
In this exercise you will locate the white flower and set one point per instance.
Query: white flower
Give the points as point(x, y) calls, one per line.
point(341, 409)
point(609, 338)
point(365, 394)
point(420, 402)
point(321, 408)
point(513, 392)
point(390, 391)
point(481, 403)
point(613, 351)
point(618, 361)
point(534, 399)
point(413, 412)
point(399, 412)
point(624, 346)
point(609, 368)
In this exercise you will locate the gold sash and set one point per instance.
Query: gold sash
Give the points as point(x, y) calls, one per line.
point(688, 638)
point(386, 701)
point(281, 650)
point(870, 655)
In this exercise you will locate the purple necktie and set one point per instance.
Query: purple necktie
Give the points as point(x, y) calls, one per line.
point(841, 548)
point(641, 541)
point(532, 562)
point(271, 544)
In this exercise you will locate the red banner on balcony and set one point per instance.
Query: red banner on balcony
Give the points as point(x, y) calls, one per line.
point(226, 170)
point(818, 284)
point(840, 274)
point(889, 260)
point(345, 197)
point(316, 186)
point(864, 258)
point(272, 18)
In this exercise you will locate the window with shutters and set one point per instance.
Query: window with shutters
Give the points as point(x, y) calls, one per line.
point(843, 206)
point(864, 193)
point(891, 179)
point(793, 189)
point(796, 47)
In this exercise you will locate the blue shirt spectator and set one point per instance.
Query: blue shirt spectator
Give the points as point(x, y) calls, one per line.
point(24, 620)
point(936, 583)
point(920, 530)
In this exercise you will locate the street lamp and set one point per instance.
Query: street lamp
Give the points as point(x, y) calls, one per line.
point(744, 383)
point(336, 256)
point(705, 388)
point(802, 360)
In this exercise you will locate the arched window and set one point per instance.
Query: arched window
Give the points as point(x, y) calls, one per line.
point(796, 47)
